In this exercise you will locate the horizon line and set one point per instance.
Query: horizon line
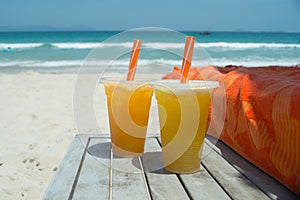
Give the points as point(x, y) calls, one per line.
point(116, 30)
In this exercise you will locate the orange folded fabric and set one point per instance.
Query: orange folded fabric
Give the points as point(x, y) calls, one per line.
point(262, 120)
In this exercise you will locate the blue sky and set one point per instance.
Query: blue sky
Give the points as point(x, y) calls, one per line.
point(213, 15)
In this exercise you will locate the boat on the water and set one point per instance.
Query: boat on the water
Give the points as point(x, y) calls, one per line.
point(204, 33)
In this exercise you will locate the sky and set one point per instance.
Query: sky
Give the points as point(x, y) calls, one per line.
point(211, 15)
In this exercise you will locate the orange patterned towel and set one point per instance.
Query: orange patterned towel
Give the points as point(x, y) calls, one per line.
point(262, 121)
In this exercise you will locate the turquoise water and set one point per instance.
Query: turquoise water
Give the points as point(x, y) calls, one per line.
point(67, 51)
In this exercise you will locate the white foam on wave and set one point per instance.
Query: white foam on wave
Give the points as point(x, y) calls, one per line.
point(66, 63)
point(149, 63)
point(157, 45)
point(154, 45)
point(125, 62)
point(37, 63)
point(90, 45)
point(20, 45)
point(237, 45)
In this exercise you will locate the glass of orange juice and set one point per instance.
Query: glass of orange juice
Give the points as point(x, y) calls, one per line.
point(128, 105)
point(183, 112)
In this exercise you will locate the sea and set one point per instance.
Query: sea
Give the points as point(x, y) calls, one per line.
point(70, 51)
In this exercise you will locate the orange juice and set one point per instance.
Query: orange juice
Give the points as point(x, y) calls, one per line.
point(128, 109)
point(183, 113)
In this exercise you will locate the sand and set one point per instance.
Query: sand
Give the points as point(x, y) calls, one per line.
point(37, 127)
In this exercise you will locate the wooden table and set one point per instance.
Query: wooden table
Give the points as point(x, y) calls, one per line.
point(90, 171)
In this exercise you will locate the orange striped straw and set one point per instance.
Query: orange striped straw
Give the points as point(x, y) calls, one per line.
point(134, 59)
point(187, 59)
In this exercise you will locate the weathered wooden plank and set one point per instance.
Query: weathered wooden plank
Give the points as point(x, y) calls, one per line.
point(233, 182)
point(63, 180)
point(266, 183)
point(201, 185)
point(93, 182)
point(128, 180)
point(163, 185)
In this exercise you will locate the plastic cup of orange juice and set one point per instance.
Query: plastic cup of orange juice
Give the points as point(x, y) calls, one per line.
point(128, 105)
point(183, 112)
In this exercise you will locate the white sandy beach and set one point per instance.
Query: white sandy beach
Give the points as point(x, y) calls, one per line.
point(37, 127)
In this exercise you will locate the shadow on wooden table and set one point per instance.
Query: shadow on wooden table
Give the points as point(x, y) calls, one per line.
point(152, 163)
point(100, 150)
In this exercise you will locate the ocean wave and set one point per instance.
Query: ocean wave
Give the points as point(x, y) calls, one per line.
point(20, 45)
point(118, 64)
point(100, 63)
point(37, 63)
point(154, 45)
point(237, 45)
point(90, 45)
